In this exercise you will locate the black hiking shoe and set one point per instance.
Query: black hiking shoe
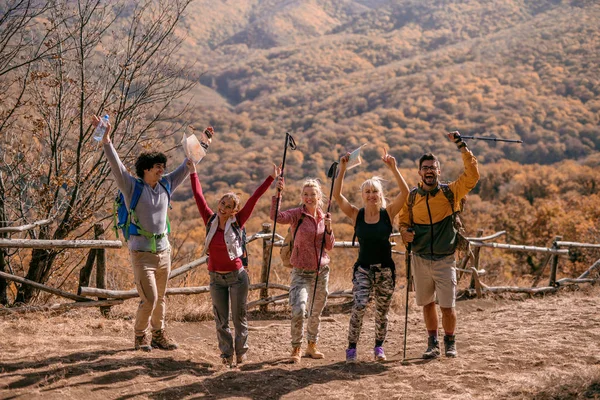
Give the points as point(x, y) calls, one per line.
point(450, 346)
point(433, 348)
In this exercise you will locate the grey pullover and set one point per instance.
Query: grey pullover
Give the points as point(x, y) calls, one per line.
point(153, 205)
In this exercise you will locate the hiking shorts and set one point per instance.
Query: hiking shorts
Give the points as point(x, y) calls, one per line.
point(435, 278)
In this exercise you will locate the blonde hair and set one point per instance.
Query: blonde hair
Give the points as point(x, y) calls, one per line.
point(375, 183)
point(234, 197)
point(316, 184)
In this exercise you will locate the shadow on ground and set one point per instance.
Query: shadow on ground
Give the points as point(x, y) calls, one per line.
point(253, 381)
point(104, 369)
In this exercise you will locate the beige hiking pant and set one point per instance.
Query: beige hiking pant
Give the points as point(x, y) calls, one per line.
point(151, 272)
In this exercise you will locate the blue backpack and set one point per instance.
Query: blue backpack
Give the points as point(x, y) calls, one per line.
point(127, 221)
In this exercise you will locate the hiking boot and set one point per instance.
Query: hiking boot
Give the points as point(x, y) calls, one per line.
point(450, 346)
point(160, 340)
point(433, 348)
point(351, 356)
point(142, 343)
point(379, 353)
point(312, 352)
point(227, 360)
point(240, 358)
point(296, 356)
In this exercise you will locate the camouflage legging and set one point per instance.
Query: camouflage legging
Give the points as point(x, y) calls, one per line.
point(380, 281)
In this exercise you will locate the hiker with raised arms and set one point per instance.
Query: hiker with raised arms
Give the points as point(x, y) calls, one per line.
point(229, 280)
point(149, 248)
point(374, 271)
point(431, 213)
point(309, 223)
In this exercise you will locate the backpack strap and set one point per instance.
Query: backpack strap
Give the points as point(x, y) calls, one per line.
point(449, 195)
point(210, 221)
point(298, 226)
point(361, 214)
point(411, 202)
point(133, 219)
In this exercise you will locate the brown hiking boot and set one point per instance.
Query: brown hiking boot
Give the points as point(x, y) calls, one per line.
point(142, 343)
point(296, 356)
point(312, 352)
point(160, 340)
point(227, 361)
point(241, 358)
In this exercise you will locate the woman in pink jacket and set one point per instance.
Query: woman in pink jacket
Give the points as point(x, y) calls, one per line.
point(310, 223)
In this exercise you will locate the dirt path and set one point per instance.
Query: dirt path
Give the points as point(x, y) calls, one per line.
point(536, 348)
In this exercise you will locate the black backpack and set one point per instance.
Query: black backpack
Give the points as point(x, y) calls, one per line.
point(239, 232)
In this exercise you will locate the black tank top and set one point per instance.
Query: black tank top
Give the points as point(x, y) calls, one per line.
point(374, 239)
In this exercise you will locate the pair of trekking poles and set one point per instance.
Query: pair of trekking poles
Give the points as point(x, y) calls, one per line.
point(291, 144)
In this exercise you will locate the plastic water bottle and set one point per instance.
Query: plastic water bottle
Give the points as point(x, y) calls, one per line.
point(101, 128)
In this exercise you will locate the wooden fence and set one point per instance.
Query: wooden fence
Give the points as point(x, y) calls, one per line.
point(107, 298)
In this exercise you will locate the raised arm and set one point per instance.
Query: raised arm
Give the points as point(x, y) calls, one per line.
point(243, 215)
point(203, 208)
point(470, 176)
point(394, 208)
point(283, 217)
point(347, 208)
point(123, 179)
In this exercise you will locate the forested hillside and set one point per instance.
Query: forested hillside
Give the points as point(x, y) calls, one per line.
point(399, 73)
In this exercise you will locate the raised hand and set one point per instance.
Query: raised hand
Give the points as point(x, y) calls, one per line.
point(388, 160)
point(280, 184)
point(276, 171)
point(106, 137)
point(454, 136)
point(344, 161)
point(191, 166)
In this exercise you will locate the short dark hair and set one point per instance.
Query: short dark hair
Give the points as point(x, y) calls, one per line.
point(428, 157)
point(147, 160)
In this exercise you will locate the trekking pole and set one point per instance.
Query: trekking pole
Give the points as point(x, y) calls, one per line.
point(408, 258)
point(291, 143)
point(492, 139)
point(330, 174)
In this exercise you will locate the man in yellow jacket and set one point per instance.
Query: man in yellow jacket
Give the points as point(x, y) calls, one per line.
point(429, 211)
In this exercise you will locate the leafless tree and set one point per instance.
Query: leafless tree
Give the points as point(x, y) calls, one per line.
point(107, 58)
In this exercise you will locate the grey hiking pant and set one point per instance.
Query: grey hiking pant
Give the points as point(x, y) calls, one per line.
point(223, 288)
point(378, 282)
point(301, 293)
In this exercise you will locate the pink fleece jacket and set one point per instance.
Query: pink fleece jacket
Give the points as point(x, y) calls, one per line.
point(307, 243)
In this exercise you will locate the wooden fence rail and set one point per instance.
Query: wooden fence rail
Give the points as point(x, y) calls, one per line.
point(107, 298)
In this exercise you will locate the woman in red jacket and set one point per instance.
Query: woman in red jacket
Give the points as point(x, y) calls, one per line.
point(309, 223)
point(228, 279)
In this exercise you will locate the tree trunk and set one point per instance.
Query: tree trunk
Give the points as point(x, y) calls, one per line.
point(3, 283)
point(41, 262)
point(3, 253)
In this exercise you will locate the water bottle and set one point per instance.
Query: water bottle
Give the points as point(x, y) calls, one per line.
point(101, 128)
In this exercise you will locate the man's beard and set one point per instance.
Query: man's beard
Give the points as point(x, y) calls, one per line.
point(430, 181)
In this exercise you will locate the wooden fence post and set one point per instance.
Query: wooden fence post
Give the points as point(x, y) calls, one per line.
point(86, 271)
point(101, 266)
point(3, 283)
point(554, 262)
point(475, 265)
point(264, 293)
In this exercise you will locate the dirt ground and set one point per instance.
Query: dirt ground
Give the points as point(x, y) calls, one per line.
point(542, 348)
